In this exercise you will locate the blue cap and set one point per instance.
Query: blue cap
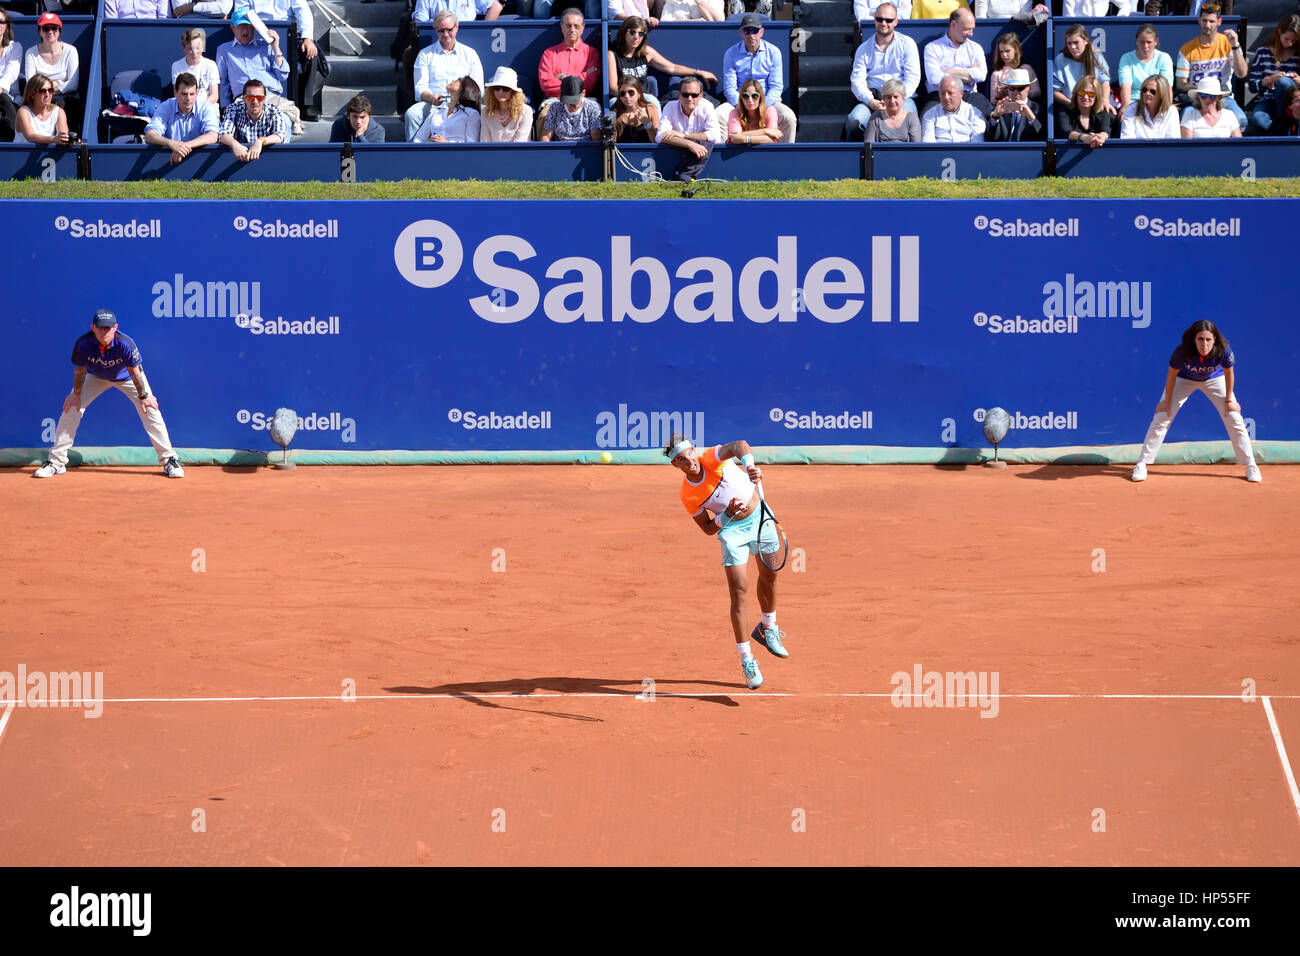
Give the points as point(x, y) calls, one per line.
point(241, 16)
point(104, 319)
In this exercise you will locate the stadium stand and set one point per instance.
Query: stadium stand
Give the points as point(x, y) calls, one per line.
point(817, 38)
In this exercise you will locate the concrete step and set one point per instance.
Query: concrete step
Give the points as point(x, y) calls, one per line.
point(820, 100)
point(379, 17)
point(825, 13)
point(828, 41)
point(362, 71)
point(825, 70)
point(383, 100)
point(820, 129)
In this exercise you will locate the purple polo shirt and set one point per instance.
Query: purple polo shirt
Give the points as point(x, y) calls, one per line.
point(1198, 369)
point(114, 361)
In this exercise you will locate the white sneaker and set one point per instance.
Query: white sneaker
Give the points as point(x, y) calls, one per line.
point(172, 468)
point(50, 469)
point(1252, 473)
point(1140, 471)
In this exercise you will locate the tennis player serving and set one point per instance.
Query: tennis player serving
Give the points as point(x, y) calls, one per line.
point(725, 501)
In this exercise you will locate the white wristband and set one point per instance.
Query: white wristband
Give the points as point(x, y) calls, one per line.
point(720, 518)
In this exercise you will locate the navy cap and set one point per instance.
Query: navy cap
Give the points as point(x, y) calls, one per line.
point(104, 319)
point(751, 20)
point(571, 90)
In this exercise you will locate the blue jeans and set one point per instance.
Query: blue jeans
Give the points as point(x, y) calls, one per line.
point(1263, 114)
point(1229, 103)
point(591, 9)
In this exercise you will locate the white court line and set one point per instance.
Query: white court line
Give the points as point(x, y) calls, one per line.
point(4, 721)
point(630, 693)
point(1281, 752)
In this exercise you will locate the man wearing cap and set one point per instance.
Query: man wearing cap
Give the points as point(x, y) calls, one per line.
point(888, 55)
point(104, 359)
point(755, 58)
point(577, 118)
point(1013, 118)
point(357, 125)
point(952, 120)
point(248, 57)
point(436, 64)
point(183, 123)
point(311, 72)
point(252, 124)
point(1211, 54)
point(723, 500)
point(956, 54)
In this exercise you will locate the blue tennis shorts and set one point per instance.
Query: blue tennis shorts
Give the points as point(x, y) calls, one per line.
point(739, 539)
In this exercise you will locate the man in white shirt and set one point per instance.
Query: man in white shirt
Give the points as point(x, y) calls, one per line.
point(436, 64)
point(689, 124)
point(464, 9)
point(951, 120)
point(956, 54)
point(887, 55)
point(866, 9)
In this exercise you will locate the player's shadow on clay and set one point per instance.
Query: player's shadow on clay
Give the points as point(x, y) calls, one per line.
point(523, 687)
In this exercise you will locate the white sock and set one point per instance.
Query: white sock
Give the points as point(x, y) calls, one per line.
point(745, 655)
point(769, 620)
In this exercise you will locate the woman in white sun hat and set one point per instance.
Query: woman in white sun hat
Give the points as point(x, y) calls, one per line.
point(1205, 119)
point(506, 117)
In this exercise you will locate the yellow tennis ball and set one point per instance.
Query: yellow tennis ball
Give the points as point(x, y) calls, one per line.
point(606, 457)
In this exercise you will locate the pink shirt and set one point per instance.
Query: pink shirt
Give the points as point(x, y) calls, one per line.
point(582, 60)
point(769, 121)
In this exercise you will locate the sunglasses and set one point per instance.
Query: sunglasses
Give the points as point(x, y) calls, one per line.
point(689, 96)
point(1086, 95)
point(636, 33)
point(750, 31)
point(446, 29)
point(251, 98)
point(886, 19)
point(1210, 8)
point(50, 29)
point(627, 92)
point(1207, 96)
point(749, 96)
point(1150, 89)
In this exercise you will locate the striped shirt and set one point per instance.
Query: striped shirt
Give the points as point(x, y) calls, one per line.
point(1265, 65)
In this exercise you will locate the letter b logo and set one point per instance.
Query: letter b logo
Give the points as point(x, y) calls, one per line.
point(428, 253)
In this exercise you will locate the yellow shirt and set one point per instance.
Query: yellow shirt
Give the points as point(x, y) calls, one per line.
point(936, 9)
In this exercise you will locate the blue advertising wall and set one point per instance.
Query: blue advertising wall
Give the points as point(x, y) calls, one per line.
point(480, 325)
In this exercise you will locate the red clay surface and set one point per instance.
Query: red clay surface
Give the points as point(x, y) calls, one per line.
point(384, 576)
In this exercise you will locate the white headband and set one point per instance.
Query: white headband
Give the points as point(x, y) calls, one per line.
point(681, 446)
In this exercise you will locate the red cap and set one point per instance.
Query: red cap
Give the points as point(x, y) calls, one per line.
point(45, 19)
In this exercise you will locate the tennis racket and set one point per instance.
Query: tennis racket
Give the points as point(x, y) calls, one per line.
point(776, 560)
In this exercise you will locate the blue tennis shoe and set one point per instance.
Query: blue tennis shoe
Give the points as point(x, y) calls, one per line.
point(770, 638)
point(753, 676)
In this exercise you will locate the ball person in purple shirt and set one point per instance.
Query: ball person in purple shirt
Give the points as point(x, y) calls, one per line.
point(105, 358)
point(1203, 362)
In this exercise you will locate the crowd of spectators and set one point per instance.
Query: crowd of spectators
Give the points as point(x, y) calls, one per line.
point(953, 91)
point(1153, 95)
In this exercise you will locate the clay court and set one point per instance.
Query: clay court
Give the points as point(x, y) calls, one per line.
point(498, 624)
